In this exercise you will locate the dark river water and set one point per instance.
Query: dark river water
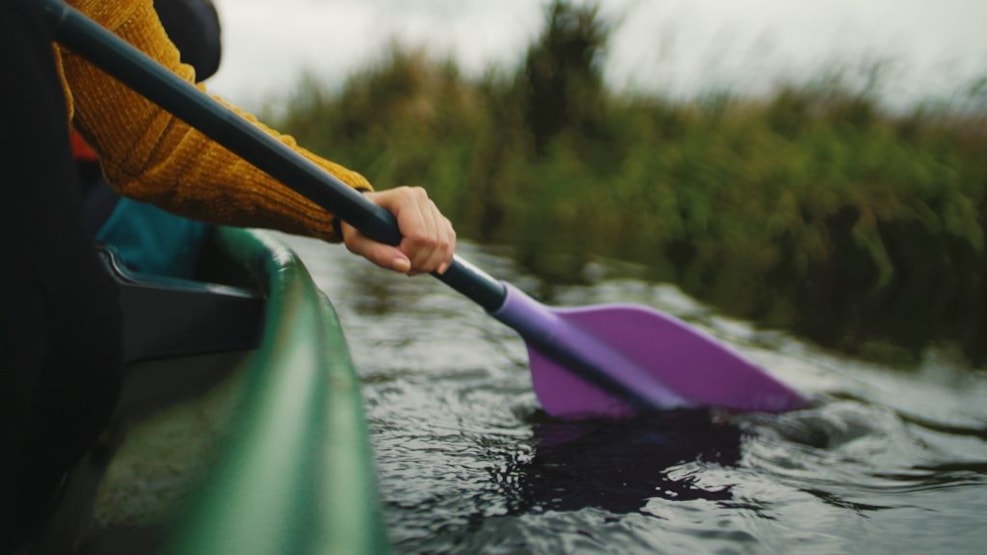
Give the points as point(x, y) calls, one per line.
point(889, 460)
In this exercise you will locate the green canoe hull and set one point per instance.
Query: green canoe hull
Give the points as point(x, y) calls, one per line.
point(241, 426)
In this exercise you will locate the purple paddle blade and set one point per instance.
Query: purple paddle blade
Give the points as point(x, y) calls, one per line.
point(615, 360)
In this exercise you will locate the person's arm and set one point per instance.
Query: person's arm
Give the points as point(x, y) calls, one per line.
point(150, 155)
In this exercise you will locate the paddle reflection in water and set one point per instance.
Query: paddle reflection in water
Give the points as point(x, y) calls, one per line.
point(619, 466)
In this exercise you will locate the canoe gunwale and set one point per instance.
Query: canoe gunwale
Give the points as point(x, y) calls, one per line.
point(298, 476)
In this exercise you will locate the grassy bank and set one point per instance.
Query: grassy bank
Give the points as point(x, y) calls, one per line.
point(812, 210)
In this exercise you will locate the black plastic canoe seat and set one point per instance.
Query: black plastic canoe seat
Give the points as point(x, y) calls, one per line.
point(167, 317)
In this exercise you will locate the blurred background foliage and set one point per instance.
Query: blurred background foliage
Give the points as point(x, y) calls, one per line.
point(813, 210)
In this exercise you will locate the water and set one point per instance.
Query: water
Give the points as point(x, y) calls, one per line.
point(887, 461)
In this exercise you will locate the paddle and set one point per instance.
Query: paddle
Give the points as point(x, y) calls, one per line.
point(603, 361)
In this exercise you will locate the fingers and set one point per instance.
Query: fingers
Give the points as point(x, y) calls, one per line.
point(429, 240)
point(425, 240)
point(385, 256)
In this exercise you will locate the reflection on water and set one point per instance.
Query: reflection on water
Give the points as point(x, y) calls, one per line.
point(618, 467)
point(887, 461)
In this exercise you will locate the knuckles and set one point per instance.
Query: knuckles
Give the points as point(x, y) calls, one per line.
point(412, 194)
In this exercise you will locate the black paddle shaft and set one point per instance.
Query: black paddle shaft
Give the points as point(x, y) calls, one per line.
point(147, 77)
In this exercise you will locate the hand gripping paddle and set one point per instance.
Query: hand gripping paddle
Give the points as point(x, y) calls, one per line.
point(601, 361)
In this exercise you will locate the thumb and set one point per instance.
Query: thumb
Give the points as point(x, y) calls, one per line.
point(385, 256)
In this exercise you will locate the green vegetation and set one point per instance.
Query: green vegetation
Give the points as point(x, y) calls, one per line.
point(814, 210)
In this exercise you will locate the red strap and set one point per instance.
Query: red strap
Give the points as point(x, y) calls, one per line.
point(81, 150)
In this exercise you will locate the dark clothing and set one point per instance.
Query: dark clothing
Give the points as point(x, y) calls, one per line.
point(193, 25)
point(98, 198)
point(60, 330)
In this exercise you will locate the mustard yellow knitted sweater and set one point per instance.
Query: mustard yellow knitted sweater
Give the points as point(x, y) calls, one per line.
point(149, 155)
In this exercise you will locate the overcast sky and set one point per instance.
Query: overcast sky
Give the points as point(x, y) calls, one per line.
point(679, 46)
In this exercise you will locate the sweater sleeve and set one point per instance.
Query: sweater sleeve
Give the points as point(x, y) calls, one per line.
point(149, 155)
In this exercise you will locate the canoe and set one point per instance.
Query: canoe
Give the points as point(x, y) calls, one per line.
point(240, 428)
